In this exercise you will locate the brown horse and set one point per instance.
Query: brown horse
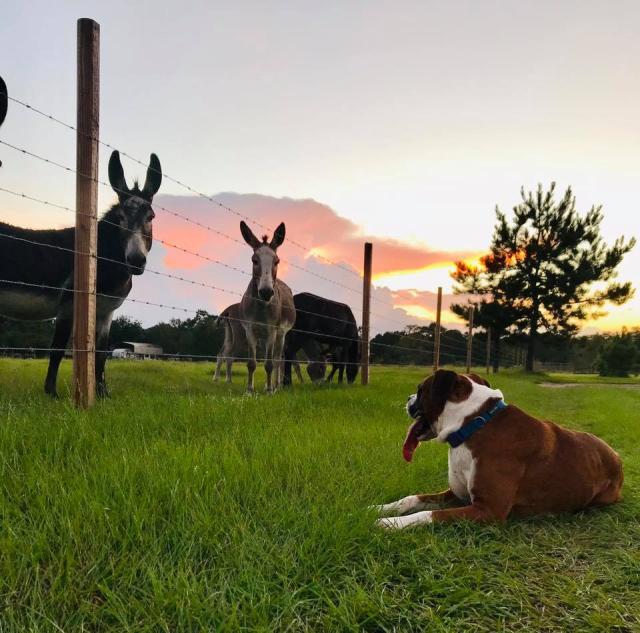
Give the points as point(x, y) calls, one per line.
point(235, 341)
point(267, 310)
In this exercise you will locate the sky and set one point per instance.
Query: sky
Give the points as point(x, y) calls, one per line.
point(402, 123)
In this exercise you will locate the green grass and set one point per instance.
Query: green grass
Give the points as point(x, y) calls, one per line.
point(180, 505)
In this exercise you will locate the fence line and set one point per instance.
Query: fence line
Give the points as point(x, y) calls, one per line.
point(194, 311)
point(423, 342)
point(165, 209)
point(209, 198)
point(177, 247)
point(210, 286)
point(169, 356)
point(174, 180)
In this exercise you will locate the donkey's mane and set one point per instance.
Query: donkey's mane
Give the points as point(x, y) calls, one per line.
point(110, 213)
point(265, 238)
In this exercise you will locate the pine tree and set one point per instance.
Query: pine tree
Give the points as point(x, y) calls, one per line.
point(542, 267)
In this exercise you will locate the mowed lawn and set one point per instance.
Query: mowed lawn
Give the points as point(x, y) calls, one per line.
point(180, 505)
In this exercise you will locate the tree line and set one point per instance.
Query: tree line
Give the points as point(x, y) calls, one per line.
point(609, 354)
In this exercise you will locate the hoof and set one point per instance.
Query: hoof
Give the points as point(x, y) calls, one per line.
point(51, 391)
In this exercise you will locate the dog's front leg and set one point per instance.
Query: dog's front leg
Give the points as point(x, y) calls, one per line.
point(414, 503)
point(479, 512)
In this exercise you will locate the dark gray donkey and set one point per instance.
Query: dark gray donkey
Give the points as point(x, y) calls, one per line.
point(266, 309)
point(36, 267)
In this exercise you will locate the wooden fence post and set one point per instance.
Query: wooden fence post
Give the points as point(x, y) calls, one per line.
point(366, 313)
point(86, 234)
point(488, 350)
point(436, 343)
point(470, 339)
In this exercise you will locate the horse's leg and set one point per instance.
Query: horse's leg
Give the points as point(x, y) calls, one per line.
point(289, 359)
point(216, 373)
point(224, 354)
point(269, 348)
point(279, 357)
point(103, 326)
point(62, 332)
point(251, 363)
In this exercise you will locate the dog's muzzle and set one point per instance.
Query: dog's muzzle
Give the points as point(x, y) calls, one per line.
point(412, 408)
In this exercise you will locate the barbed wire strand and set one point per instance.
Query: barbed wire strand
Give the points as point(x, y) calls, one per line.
point(332, 337)
point(172, 179)
point(169, 211)
point(175, 246)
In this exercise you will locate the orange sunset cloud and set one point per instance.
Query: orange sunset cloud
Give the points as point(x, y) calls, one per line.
point(323, 233)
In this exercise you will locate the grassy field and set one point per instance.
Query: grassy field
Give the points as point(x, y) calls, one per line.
point(180, 505)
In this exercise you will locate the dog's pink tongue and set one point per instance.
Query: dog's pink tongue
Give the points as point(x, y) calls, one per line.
point(411, 441)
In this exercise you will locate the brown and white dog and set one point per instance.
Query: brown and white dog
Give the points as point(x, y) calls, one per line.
point(502, 461)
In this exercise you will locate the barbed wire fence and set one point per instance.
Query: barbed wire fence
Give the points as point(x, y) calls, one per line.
point(429, 351)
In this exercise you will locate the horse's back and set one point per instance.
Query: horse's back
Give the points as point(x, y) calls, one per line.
point(36, 256)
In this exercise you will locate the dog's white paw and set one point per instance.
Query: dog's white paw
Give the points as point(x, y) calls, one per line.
point(400, 523)
point(402, 506)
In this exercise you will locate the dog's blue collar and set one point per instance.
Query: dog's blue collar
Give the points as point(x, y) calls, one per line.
point(465, 432)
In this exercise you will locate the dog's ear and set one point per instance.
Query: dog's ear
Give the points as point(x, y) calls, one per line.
point(479, 380)
point(442, 385)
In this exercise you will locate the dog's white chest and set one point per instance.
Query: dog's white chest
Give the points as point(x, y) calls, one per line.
point(462, 469)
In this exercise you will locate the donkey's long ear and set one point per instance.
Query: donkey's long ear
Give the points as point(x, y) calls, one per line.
point(116, 176)
point(154, 178)
point(278, 236)
point(248, 235)
point(4, 100)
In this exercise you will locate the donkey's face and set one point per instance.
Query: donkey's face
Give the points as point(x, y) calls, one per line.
point(134, 213)
point(265, 260)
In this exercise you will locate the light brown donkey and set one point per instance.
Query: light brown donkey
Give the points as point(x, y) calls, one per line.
point(235, 340)
point(267, 310)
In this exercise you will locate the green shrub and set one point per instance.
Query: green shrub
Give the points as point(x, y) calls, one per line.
point(617, 356)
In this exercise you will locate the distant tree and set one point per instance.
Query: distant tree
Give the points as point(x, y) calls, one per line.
point(499, 315)
point(125, 328)
point(198, 336)
point(28, 334)
point(543, 264)
point(617, 356)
